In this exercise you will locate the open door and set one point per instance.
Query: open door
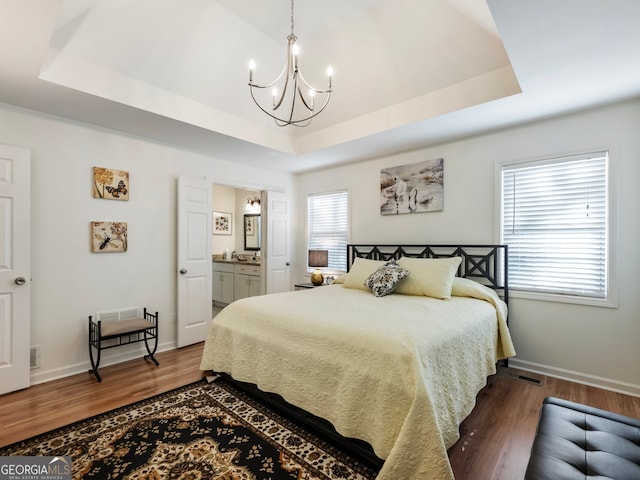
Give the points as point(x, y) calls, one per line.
point(278, 253)
point(15, 268)
point(194, 260)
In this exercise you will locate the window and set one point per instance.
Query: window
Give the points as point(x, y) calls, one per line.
point(327, 223)
point(555, 220)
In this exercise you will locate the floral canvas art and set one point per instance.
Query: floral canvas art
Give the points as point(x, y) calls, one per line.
point(110, 184)
point(108, 237)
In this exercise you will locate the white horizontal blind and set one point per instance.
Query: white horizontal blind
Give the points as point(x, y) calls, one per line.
point(554, 220)
point(327, 217)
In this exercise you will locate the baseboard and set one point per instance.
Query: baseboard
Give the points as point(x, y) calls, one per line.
point(84, 367)
point(577, 377)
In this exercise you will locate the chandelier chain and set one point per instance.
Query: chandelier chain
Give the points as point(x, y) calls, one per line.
point(291, 17)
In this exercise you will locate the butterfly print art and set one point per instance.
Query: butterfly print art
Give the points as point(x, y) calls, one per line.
point(110, 184)
point(116, 192)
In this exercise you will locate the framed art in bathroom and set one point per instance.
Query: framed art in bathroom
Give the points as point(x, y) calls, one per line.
point(221, 223)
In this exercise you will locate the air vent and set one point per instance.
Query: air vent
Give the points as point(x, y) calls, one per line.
point(519, 376)
point(537, 381)
point(119, 314)
point(34, 357)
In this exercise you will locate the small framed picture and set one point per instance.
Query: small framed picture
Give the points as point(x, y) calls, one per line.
point(110, 184)
point(109, 237)
point(221, 223)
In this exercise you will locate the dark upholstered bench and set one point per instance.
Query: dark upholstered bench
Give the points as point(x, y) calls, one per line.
point(574, 441)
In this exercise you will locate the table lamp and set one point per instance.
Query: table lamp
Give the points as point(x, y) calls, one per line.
point(317, 259)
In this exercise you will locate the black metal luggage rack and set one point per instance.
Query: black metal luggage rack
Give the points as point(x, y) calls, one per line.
point(104, 335)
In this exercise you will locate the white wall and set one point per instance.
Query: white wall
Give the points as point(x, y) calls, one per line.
point(232, 200)
point(69, 282)
point(224, 200)
point(590, 344)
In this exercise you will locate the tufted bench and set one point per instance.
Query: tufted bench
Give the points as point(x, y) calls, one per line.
point(574, 441)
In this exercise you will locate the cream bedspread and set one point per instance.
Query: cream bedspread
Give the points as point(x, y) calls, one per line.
point(400, 371)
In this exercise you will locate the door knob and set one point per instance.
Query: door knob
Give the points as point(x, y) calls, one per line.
point(183, 271)
point(20, 281)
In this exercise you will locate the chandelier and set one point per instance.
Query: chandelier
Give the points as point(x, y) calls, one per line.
point(294, 101)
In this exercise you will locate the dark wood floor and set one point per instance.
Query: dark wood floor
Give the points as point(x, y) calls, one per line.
point(494, 444)
point(495, 439)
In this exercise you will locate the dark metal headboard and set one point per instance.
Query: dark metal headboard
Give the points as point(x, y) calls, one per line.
point(487, 264)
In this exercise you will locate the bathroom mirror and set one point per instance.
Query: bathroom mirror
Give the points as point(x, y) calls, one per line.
point(252, 231)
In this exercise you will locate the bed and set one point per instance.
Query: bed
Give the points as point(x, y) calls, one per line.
point(399, 370)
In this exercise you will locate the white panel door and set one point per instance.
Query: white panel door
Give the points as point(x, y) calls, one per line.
point(194, 260)
point(278, 250)
point(15, 268)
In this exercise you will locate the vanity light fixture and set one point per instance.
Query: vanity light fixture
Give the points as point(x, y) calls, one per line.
point(253, 205)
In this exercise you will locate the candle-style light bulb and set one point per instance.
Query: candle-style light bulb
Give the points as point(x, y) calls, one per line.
point(252, 67)
point(330, 73)
point(295, 51)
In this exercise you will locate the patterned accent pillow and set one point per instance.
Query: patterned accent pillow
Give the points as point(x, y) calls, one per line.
point(386, 278)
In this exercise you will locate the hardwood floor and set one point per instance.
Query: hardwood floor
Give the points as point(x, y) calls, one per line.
point(494, 444)
point(50, 405)
point(496, 438)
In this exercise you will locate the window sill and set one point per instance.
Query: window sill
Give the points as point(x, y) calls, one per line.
point(554, 297)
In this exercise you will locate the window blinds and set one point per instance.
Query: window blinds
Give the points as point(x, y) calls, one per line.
point(327, 219)
point(554, 220)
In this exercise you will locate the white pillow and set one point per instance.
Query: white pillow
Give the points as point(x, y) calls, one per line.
point(360, 270)
point(339, 279)
point(466, 287)
point(430, 277)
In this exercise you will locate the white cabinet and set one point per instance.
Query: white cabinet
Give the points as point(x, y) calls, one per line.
point(223, 280)
point(232, 281)
point(247, 281)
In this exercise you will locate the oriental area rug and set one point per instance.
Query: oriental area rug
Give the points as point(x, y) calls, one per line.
point(200, 431)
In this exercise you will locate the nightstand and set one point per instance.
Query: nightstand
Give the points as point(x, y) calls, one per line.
point(306, 285)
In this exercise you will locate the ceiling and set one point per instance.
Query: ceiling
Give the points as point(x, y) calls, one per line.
point(408, 73)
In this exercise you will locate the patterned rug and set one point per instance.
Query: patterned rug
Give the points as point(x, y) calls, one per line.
point(201, 431)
